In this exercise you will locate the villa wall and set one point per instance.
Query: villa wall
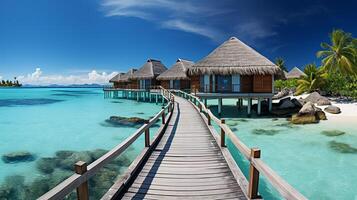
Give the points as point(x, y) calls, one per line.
point(195, 82)
point(262, 84)
point(246, 84)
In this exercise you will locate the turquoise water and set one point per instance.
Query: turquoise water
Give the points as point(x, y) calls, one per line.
point(317, 165)
point(44, 121)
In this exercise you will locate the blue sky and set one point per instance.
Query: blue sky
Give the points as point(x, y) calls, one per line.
point(78, 41)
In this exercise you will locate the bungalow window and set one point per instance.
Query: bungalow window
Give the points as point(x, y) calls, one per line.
point(236, 83)
point(224, 83)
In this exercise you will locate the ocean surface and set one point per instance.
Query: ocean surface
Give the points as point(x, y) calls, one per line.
point(319, 160)
point(44, 121)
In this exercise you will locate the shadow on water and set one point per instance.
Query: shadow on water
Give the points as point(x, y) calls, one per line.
point(27, 102)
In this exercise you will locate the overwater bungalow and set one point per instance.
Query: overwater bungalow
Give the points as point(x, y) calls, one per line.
point(122, 80)
point(295, 73)
point(176, 77)
point(234, 70)
point(145, 77)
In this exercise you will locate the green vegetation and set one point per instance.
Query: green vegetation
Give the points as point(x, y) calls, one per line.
point(290, 83)
point(338, 72)
point(9, 83)
point(280, 62)
point(314, 79)
point(341, 54)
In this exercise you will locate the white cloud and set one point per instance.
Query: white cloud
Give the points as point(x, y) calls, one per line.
point(178, 15)
point(39, 78)
point(0, 78)
point(192, 28)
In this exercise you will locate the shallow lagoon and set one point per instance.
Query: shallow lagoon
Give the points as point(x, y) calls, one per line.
point(320, 160)
point(44, 121)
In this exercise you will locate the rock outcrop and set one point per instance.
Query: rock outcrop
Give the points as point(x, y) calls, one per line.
point(283, 93)
point(308, 114)
point(315, 97)
point(332, 109)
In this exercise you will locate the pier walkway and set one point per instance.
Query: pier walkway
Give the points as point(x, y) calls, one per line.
point(187, 163)
point(186, 158)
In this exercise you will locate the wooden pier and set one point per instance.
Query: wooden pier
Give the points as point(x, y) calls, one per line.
point(187, 159)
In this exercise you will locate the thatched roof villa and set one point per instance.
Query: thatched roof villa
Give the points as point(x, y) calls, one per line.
point(176, 77)
point(295, 73)
point(234, 70)
point(145, 77)
point(122, 80)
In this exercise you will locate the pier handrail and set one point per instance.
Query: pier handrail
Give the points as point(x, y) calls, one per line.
point(257, 165)
point(79, 180)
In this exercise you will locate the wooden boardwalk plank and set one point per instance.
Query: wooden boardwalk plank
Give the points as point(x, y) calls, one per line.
point(186, 164)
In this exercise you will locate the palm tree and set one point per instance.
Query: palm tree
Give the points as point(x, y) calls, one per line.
point(341, 54)
point(281, 64)
point(314, 79)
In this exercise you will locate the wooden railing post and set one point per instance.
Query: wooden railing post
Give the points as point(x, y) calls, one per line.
point(82, 191)
point(163, 115)
point(208, 119)
point(200, 106)
point(223, 134)
point(253, 175)
point(147, 135)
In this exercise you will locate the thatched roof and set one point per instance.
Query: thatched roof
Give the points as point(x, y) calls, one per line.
point(123, 77)
point(234, 57)
point(295, 73)
point(177, 72)
point(116, 78)
point(151, 69)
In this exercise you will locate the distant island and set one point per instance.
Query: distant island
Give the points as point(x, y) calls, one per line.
point(9, 83)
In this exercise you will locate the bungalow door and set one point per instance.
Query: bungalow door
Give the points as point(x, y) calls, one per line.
point(236, 83)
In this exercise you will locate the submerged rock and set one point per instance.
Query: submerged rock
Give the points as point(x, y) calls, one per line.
point(12, 188)
point(232, 123)
point(125, 121)
point(333, 109)
point(47, 165)
point(303, 119)
point(333, 133)
point(117, 102)
point(342, 147)
point(27, 102)
point(269, 132)
point(20, 156)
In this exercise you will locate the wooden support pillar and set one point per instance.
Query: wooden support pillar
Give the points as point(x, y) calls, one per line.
point(249, 106)
point(156, 98)
point(137, 96)
point(220, 106)
point(253, 175)
point(82, 191)
point(223, 134)
point(205, 103)
point(270, 104)
point(259, 106)
point(163, 115)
